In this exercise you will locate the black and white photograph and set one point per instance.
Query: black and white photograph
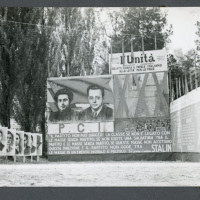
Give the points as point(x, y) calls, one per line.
point(19, 143)
point(3, 140)
point(10, 146)
point(27, 143)
point(39, 144)
point(33, 144)
point(99, 96)
point(80, 99)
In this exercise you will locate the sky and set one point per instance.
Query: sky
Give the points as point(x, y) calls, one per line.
point(183, 20)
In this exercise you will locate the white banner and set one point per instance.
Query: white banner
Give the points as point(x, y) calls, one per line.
point(81, 127)
point(139, 62)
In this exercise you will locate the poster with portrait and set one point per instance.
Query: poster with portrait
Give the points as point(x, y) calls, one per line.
point(33, 144)
point(10, 147)
point(19, 143)
point(3, 140)
point(39, 144)
point(27, 144)
point(85, 99)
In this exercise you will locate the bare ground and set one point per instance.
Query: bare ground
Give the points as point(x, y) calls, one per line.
point(126, 173)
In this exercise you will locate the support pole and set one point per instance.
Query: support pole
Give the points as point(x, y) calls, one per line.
point(170, 85)
point(142, 43)
point(155, 40)
point(123, 50)
point(186, 84)
point(179, 85)
point(191, 84)
point(176, 88)
point(111, 56)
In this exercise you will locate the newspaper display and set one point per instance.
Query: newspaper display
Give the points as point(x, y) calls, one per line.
point(138, 62)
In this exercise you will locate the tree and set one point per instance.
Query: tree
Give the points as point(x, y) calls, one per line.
point(32, 72)
point(133, 23)
point(26, 66)
point(7, 65)
point(72, 43)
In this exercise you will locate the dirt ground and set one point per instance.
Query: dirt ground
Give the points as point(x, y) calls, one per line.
point(126, 173)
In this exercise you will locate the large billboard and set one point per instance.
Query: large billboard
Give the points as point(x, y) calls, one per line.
point(124, 113)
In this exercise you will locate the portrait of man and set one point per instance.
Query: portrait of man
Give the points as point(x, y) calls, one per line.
point(17, 144)
point(33, 148)
point(39, 145)
point(10, 140)
point(1, 139)
point(27, 149)
point(97, 111)
point(63, 99)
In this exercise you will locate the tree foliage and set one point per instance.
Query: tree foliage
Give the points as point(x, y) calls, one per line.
point(41, 42)
point(132, 23)
point(72, 43)
point(25, 66)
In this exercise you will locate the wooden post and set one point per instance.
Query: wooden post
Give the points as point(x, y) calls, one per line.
point(179, 85)
point(191, 86)
point(170, 86)
point(155, 41)
point(176, 88)
point(142, 43)
point(15, 158)
point(132, 51)
point(31, 158)
point(186, 84)
point(67, 68)
point(110, 67)
point(24, 159)
point(196, 82)
point(195, 71)
point(172, 94)
point(123, 50)
point(38, 158)
point(183, 86)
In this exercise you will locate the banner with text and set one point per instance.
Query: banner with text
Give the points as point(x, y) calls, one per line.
point(185, 126)
point(138, 62)
point(130, 136)
point(124, 113)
